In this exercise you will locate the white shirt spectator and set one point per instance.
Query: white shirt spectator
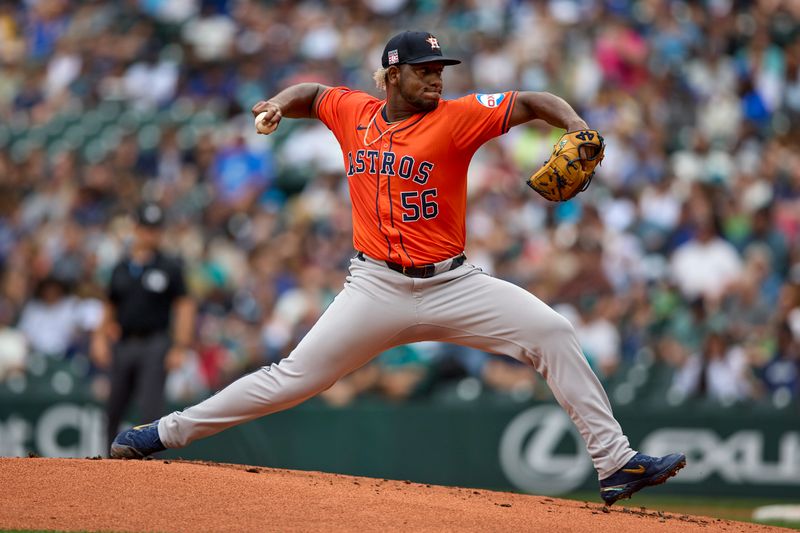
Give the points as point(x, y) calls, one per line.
point(326, 155)
point(597, 336)
point(386, 7)
point(721, 116)
point(600, 341)
point(210, 36)
point(623, 259)
point(705, 268)
point(660, 207)
point(710, 76)
point(493, 70)
point(692, 165)
point(321, 42)
point(618, 214)
point(49, 328)
point(726, 380)
point(150, 84)
point(13, 349)
point(62, 70)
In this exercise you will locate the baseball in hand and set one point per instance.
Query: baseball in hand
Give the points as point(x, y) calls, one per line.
point(264, 129)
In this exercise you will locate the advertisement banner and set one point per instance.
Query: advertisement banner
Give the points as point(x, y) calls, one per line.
point(499, 445)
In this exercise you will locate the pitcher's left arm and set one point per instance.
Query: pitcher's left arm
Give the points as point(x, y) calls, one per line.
point(546, 106)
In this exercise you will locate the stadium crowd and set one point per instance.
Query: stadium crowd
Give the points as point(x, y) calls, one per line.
point(684, 254)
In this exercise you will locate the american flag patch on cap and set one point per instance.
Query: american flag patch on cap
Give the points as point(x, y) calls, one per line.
point(393, 57)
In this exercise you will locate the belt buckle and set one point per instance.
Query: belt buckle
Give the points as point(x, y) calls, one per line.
point(404, 270)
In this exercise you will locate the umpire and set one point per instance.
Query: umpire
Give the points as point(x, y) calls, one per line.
point(147, 325)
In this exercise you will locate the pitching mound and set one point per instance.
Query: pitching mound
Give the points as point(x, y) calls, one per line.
point(171, 496)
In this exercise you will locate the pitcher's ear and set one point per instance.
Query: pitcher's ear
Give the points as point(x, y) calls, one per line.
point(393, 75)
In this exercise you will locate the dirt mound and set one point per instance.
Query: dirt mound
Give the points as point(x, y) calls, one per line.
point(172, 496)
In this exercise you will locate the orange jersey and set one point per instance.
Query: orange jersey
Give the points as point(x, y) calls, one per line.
point(408, 180)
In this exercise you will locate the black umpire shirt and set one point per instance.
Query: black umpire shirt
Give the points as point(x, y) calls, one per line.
point(143, 295)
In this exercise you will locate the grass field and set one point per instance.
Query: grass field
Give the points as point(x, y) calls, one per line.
point(715, 507)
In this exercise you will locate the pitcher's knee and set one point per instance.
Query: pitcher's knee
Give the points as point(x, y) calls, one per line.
point(551, 334)
point(557, 330)
point(291, 388)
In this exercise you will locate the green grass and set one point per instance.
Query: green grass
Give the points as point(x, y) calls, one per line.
point(729, 508)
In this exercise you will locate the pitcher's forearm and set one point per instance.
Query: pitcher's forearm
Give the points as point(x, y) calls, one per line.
point(296, 101)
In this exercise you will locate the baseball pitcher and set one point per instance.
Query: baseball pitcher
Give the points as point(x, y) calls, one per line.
point(406, 159)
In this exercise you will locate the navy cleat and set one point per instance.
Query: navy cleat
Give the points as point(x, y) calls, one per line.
point(640, 472)
point(137, 442)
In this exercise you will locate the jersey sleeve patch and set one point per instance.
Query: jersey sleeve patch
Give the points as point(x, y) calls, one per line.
point(490, 100)
point(475, 118)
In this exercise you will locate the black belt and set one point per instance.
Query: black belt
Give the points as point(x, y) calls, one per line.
point(139, 335)
point(421, 271)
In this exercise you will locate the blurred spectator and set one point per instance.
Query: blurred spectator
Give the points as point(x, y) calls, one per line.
point(764, 230)
point(789, 302)
point(296, 310)
point(719, 372)
point(752, 297)
point(508, 375)
point(397, 374)
point(13, 346)
point(782, 373)
point(660, 208)
point(706, 264)
point(240, 176)
point(51, 320)
point(402, 370)
point(685, 324)
point(210, 34)
point(584, 276)
point(151, 81)
point(598, 334)
point(621, 53)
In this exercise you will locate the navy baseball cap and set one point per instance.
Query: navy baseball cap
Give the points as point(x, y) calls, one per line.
point(412, 47)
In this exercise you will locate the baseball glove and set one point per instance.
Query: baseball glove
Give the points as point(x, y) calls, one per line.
point(571, 166)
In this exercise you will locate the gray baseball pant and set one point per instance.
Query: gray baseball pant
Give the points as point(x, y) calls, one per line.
point(137, 368)
point(380, 308)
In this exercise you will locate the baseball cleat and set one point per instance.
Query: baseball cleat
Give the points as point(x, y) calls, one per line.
point(640, 472)
point(137, 442)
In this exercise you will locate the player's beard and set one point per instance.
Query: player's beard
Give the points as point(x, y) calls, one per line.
point(419, 103)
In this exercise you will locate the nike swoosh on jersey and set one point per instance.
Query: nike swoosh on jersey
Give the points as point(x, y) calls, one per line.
point(638, 470)
point(360, 127)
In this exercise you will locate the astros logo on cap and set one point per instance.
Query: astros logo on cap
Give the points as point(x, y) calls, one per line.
point(433, 41)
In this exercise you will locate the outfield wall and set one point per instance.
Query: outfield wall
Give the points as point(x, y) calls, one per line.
point(488, 443)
